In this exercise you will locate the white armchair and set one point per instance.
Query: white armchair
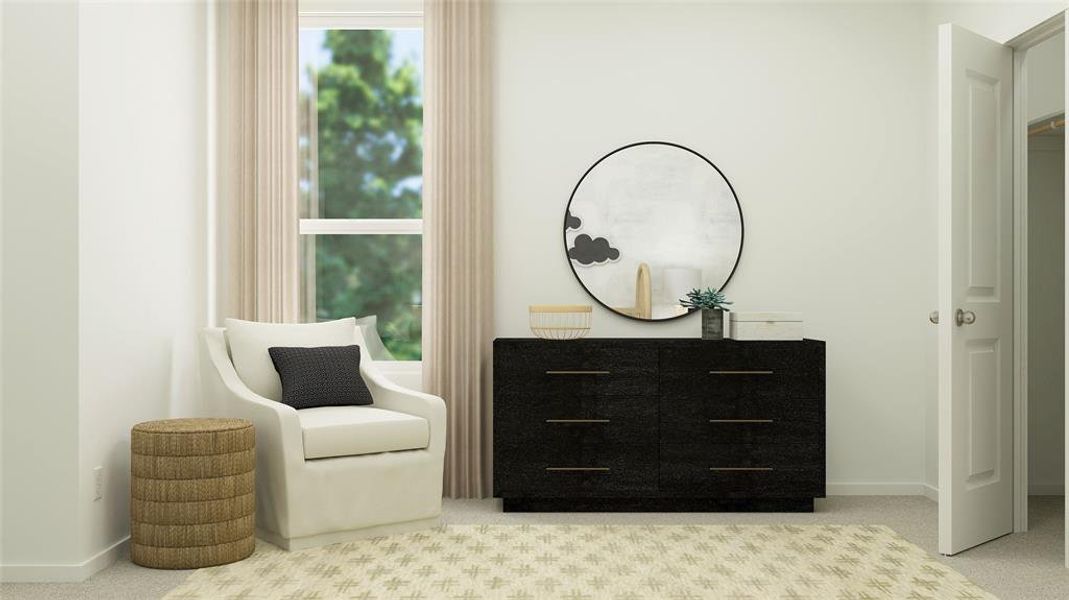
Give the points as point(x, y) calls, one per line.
point(318, 483)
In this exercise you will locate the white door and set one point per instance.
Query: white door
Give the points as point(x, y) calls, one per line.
point(975, 289)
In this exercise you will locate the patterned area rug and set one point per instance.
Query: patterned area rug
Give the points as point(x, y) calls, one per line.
point(591, 562)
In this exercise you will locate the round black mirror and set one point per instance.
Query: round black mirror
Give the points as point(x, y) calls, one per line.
point(647, 223)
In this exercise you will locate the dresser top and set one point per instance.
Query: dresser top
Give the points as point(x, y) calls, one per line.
point(650, 340)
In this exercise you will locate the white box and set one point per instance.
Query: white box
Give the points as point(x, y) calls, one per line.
point(765, 325)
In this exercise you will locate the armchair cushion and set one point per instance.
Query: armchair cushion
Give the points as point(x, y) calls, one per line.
point(249, 342)
point(325, 376)
point(353, 430)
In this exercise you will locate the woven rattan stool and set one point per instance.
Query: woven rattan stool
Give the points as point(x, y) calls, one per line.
point(192, 492)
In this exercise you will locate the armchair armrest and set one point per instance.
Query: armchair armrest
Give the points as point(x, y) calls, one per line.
point(390, 396)
point(278, 430)
point(279, 440)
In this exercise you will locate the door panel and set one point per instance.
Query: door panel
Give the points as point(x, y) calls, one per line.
point(983, 197)
point(983, 417)
point(975, 278)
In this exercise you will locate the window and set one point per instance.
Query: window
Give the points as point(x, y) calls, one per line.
point(361, 154)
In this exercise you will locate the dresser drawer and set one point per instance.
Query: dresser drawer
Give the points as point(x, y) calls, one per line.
point(682, 479)
point(612, 473)
point(726, 456)
point(792, 470)
point(779, 356)
point(574, 439)
point(523, 412)
point(753, 369)
point(576, 370)
point(740, 429)
point(739, 383)
point(692, 412)
point(566, 437)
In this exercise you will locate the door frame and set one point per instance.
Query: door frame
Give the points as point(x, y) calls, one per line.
point(1020, 45)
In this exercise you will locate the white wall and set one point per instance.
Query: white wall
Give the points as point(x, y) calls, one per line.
point(141, 235)
point(823, 119)
point(39, 445)
point(822, 145)
point(104, 183)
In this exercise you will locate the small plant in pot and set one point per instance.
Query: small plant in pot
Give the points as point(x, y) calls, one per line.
point(713, 304)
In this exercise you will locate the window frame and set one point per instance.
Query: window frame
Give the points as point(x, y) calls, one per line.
point(312, 19)
point(360, 20)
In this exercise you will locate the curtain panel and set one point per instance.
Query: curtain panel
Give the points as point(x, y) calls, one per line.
point(458, 235)
point(258, 159)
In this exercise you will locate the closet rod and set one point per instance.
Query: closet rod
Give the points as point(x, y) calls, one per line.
point(1051, 125)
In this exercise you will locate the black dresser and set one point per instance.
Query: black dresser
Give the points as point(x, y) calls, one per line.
point(658, 424)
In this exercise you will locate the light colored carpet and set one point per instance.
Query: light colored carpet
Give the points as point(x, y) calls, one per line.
point(590, 562)
point(1022, 566)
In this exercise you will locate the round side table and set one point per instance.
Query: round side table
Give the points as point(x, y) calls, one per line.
point(192, 492)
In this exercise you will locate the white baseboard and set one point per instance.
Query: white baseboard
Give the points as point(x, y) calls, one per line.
point(879, 489)
point(931, 492)
point(1046, 489)
point(71, 573)
point(922, 489)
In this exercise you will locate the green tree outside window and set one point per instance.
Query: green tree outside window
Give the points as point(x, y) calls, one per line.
point(362, 158)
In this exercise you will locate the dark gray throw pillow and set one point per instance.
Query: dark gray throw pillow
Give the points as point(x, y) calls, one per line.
point(324, 376)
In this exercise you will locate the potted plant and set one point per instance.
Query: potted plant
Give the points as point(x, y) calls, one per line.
point(713, 304)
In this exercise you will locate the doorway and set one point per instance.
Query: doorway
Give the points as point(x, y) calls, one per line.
point(1044, 68)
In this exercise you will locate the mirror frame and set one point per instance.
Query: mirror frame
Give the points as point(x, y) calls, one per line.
point(568, 208)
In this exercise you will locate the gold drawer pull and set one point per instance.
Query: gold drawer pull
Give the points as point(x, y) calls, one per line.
point(740, 372)
point(577, 372)
point(740, 420)
point(577, 420)
point(740, 468)
point(598, 469)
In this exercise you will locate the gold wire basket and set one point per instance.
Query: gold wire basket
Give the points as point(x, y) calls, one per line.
point(560, 321)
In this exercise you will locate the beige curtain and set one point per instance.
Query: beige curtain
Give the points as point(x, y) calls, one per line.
point(258, 164)
point(458, 235)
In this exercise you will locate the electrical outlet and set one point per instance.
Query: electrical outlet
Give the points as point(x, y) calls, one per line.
point(98, 482)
